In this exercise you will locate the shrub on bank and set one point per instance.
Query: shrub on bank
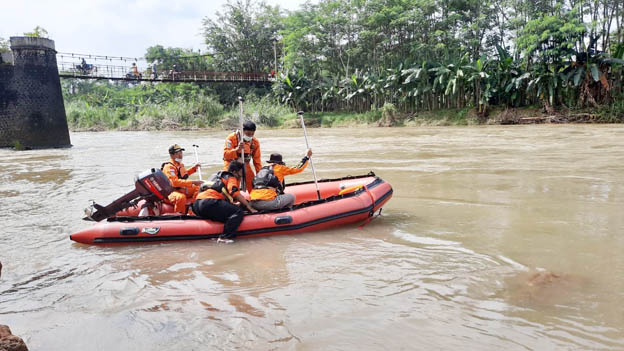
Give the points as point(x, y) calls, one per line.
point(614, 112)
point(263, 111)
point(201, 112)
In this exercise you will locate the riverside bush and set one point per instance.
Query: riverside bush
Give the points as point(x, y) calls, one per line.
point(614, 112)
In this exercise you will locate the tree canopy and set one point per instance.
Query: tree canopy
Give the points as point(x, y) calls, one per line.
point(241, 37)
point(185, 59)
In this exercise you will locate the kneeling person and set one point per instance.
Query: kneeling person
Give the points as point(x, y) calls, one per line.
point(217, 202)
point(268, 184)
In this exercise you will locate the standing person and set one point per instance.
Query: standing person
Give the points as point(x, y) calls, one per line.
point(174, 72)
point(184, 188)
point(268, 184)
point(233, 147)
point(217, 201)
point(135, 70)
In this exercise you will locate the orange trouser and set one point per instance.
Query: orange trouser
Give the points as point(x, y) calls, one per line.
point(179, 201)
point(249, 176)
point(178, 198)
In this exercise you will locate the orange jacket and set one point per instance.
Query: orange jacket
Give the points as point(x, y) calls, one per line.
point(252, 150)
point(280, 171)
point(176, 172)
point(231, 184)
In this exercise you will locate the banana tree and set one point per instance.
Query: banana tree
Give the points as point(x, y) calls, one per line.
point(516, 89)
point(547, 82)
point(374, 86)
point(353, 92)
point(442, 81)
point(329, 93)
point(589, 73)
point(482, 87)
point(393, 88)
point(509, 79)
point(292, 89)
point(418, 86)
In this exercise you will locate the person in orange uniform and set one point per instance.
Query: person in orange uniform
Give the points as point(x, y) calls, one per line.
point(217, 201)
point(184, 188)
point(268, 184)
point(233, 147)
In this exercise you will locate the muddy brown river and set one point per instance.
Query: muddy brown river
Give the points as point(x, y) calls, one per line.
point(496, 238)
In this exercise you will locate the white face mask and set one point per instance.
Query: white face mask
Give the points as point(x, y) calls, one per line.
point(247, 138)
point(179, 159)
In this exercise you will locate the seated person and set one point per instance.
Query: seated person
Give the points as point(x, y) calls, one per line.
point(268, 184)
point(84, 67)
point(216, 200)
point(184, 188)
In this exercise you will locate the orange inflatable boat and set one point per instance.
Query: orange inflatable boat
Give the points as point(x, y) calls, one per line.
point(343, 201)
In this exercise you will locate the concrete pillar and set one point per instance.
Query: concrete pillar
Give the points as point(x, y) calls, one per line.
point(32, 112)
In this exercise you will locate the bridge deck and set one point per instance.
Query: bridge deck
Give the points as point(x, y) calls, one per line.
point(201, 78)
point(76, 70)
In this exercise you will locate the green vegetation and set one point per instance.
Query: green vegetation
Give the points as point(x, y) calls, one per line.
point(380, 62)
point(102, 106)
point(4, 45)
point(183, 59)
point(426, 55)
point(241, 37)
point(17, 145)
point(38, 32)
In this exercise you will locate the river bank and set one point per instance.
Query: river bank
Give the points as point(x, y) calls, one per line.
point(99, 107)
point(281, 117)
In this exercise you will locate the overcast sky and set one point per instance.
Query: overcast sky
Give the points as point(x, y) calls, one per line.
point(115, 27)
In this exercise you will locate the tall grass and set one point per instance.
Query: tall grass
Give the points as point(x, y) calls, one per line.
point(614, 112)
point(265, 111)
point(93, 106)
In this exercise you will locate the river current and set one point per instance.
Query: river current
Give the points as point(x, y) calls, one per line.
point(497, 237)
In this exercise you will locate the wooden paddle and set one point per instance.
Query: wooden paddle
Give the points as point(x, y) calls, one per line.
point(241, 140)
point(305, 133)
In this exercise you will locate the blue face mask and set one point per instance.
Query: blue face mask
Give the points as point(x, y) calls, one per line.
point(247, 138)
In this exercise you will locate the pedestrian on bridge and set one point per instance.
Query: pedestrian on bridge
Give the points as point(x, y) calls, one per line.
point(135, 70)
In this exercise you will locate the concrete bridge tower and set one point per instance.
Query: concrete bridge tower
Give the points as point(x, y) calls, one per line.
point(32, 112)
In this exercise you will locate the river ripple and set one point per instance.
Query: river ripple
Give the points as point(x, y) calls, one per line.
point(476, 212)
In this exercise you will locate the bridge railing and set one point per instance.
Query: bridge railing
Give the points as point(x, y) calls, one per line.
point(91, 70)
point(71, 65)
point(213, 76)
point(74, 69)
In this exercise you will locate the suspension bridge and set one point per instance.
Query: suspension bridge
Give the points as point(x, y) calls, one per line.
point(118, 68)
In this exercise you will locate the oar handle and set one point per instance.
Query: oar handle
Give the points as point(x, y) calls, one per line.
point(305, 133)
point(195, 147)
point(241, 140)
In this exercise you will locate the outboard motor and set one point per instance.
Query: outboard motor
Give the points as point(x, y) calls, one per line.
point(151, 185)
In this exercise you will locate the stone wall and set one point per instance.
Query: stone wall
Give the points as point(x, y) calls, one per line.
point(32, 113)
point(6, 57)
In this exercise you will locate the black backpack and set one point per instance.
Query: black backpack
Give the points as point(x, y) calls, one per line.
point(215, 182)
point(267, 179)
